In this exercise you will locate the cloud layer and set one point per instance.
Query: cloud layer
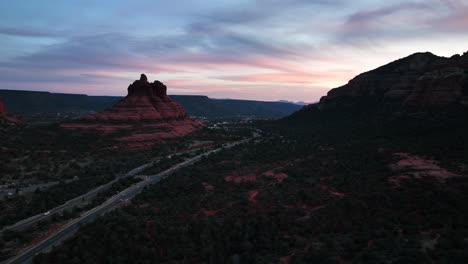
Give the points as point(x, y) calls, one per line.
point(252, 49)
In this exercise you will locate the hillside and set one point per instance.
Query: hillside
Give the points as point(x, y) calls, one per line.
point(420, 86)
point(347, 180)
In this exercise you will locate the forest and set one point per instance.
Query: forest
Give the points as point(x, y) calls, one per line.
point(299, 195)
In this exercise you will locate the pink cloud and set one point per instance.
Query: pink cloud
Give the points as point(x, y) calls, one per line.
point(292, 78)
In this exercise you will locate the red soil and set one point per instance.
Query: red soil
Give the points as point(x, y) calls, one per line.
point(412, 166)
point(252, 195)
point(209, 213)
point(42, 236)
point(332, 191)
point(309, 210)
point(336, 193)
point(238, 179)
point(252, 177)
point(279, 176)
point(207, 186)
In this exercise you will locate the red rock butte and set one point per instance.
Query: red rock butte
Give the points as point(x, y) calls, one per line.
point(147, 112)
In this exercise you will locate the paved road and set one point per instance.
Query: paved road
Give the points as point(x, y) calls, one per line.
point(111, 203)
point(87, 196)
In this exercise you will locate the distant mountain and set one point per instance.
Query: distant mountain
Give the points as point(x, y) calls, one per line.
point(296, 103)
point(29, 102)
point(255, 108)
point(215, 107)
point(421, 85)
point(20, 102)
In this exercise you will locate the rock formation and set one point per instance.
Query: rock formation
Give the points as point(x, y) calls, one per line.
point(418, 83)
point(2, 108)
point(5, 117)
point(147, 113)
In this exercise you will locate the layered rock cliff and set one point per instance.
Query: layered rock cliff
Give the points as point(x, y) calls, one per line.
point(147, 114)
point(420, 83)
point(145, 101)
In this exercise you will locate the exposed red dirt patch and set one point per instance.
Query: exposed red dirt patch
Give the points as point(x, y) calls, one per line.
point(252, 195)
point(42, 236)
point(279, 176)
point(238, 179)
point(252, 177)
point(309, 210)
point(332, 191)
point(209, 213)
point(412, 166)
point(337, 193)
point(208, 186)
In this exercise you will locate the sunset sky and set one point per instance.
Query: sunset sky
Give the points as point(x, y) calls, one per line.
point(248, 49)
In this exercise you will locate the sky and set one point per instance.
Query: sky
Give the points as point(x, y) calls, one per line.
point(267, 50)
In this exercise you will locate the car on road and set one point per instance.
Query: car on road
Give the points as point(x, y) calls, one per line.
point(47, 213)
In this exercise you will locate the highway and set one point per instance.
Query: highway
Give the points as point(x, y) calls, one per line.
point(110, 204)
point(87, 196)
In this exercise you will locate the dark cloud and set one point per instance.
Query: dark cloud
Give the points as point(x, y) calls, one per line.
point(363, 18)
point(18, 76)
point(392, 22)
point(28, 32)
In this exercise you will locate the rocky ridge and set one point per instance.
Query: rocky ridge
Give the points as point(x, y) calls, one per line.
point(416, 84)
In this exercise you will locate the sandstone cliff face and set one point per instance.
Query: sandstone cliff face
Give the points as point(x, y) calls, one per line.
point(145, 102)
point(5, 117)
point(417, 83)
point(146, 113)
point(444, 83)
point(2, 108)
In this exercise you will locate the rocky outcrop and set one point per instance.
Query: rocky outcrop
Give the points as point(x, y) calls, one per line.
point(444, 83)
point(2, 108)
point(145, 102)
point(147, 114)
point(418, 83)
point(5, 117)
